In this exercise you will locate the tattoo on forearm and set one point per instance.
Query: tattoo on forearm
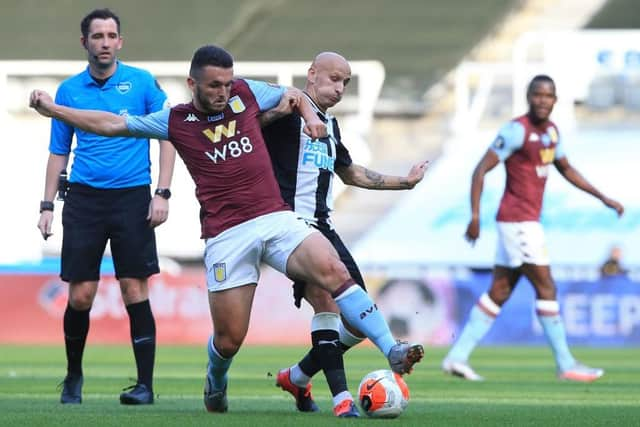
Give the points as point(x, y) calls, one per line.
point(376, 179)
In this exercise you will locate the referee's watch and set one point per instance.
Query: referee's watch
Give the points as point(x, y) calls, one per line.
point(46, 205)
point(165, 193)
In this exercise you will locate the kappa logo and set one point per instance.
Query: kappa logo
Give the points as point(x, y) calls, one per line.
point(236, 104)
point(220, 271)
point(191, 118)
point(124, 87)
point(534, 137)
point(368, 311)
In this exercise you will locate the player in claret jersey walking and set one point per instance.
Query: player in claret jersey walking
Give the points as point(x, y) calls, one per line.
point(527, 145)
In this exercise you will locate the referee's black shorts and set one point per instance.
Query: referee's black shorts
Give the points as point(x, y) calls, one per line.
point(93, 216)
point(345, 257)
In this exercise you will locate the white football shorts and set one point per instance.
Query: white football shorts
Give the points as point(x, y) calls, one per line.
point(233, 257)
point(521, 243)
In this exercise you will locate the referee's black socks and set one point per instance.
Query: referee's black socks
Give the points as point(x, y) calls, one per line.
point(143, 339)
point(76, 327)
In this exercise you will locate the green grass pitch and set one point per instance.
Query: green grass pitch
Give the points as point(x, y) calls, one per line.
point(520, 390)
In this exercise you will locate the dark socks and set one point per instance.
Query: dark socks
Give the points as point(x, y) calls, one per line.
point(308, 365)
point(327, 354)
point(76, 329)
point(143, 339)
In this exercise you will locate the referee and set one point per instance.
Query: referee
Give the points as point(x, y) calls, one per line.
point(107, 199)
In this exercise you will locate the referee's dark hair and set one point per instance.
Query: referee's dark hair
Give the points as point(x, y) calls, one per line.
point(210, 55)
point(97, 14)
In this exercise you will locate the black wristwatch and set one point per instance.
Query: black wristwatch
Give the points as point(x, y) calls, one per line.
point(46, 205)
point(165, 193)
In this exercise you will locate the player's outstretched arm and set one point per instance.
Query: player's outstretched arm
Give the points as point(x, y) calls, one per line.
point(98, 122)
point(359, 176)
point(572, 175)
point(489, 161)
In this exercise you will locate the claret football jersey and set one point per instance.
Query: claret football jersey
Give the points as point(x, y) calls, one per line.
point(527, 152)
point(225, 154)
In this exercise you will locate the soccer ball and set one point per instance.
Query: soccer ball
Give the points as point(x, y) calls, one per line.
point(383, 394)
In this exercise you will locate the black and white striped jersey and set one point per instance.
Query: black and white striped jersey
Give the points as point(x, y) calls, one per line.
point(305, 168)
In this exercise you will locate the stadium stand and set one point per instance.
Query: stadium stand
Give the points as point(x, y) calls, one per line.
point(401, 134)
point(395, 141)
point(254, 30)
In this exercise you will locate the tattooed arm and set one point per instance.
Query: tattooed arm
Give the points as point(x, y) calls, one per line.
point(359, 176)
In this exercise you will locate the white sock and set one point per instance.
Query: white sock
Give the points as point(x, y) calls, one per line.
point(347, 338)
point(338, 398)
point(298, 377)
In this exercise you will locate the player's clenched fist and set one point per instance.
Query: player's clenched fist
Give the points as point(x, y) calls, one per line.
point(41, 101)
point(315, 129)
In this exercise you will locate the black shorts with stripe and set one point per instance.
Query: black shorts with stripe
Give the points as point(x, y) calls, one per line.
point(345, 257)
point(93, 216)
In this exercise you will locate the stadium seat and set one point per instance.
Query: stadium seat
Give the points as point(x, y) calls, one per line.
point(602, 92)
point(631, 93)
